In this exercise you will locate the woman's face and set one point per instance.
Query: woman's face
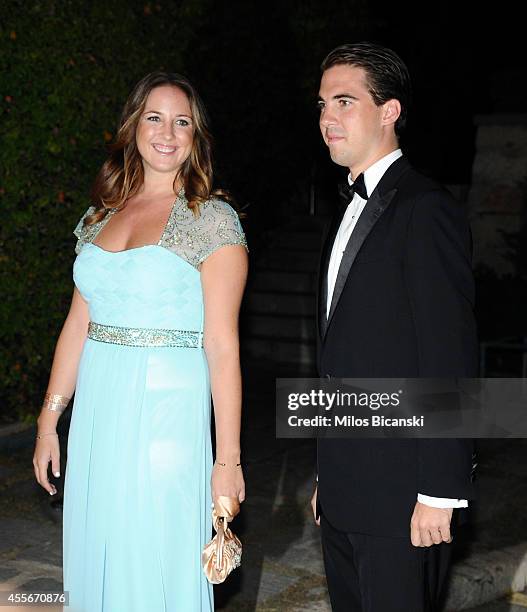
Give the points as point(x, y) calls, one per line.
point(165, 131)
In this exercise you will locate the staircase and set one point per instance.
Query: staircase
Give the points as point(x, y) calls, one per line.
point(278, 317)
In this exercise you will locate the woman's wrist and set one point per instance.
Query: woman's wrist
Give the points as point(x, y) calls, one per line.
point(227, 464)
point(47, 421)
point(228, 453)
point(228, 458)
point(52, 407)
point(41, 434)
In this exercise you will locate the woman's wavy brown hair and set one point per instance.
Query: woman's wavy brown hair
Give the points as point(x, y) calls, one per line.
point(121, 176)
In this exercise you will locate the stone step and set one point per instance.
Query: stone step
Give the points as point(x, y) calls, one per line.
point(299, 328)
point(278, 322)
point(298, 304)
point(279, 350)
point(293, 282)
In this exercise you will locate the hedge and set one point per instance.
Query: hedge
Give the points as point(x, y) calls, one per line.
point(67, 67)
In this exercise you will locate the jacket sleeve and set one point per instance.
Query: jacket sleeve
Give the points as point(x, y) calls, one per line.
point(440, 287)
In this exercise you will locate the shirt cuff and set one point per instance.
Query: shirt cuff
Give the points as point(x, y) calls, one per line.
point(441, 502)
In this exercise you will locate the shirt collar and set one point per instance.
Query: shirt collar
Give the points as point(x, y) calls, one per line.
point(375, 172)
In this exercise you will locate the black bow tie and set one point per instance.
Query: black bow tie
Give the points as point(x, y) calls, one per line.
point(347, 191)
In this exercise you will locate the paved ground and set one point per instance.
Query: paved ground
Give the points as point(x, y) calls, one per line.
point(514, 603)
point(282, 568)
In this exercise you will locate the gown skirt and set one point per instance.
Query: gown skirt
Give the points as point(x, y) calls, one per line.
point(137, 500)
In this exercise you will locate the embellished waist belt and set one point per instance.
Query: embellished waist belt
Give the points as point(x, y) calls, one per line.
point(141, 336)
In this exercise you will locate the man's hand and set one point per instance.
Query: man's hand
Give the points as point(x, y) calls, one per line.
point(314, 506)
point(430, 525)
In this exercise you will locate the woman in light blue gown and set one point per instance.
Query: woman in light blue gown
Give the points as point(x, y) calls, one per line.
point(152, 331)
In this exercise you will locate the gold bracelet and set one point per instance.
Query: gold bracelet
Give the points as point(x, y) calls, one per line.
point(55, 403)
point(224, 464)
point(49, 433)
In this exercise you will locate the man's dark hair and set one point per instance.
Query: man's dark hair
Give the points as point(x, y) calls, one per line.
point(387, 76)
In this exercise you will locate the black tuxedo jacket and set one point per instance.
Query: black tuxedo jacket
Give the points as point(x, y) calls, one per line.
point(402, 307)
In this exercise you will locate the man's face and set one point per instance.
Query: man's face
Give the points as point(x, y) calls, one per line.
point(351, 124)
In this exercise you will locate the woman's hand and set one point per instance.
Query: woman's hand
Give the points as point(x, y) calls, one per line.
point(227, 480)
point(47, 449)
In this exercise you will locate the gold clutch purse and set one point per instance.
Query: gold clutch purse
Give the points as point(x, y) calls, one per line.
point(224, 552)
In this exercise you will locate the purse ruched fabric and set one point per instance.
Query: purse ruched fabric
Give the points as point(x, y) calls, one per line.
point(224, 552)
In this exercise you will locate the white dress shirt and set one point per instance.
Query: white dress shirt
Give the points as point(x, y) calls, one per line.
point(372, 176)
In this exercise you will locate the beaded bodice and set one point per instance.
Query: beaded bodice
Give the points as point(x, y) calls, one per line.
point(191, 238)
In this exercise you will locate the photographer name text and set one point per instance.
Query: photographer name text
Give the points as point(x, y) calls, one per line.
point(353, 421)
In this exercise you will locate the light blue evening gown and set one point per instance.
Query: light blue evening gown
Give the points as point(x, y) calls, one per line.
point(137, 501)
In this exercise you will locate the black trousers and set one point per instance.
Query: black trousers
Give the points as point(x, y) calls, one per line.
point(367, 573)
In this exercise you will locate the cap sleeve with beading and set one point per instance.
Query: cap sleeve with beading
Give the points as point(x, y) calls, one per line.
point(87, 233)
point(195, 239)
point(224, 227)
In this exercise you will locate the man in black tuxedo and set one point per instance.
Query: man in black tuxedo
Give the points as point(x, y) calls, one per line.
point(396, 298)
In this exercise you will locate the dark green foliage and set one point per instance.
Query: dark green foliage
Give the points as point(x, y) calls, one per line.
point(66, 68)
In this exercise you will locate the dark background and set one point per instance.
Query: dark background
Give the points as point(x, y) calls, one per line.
point(66, 68)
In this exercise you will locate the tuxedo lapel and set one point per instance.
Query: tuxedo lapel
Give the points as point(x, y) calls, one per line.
point(373, 210)
point(323, 269)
